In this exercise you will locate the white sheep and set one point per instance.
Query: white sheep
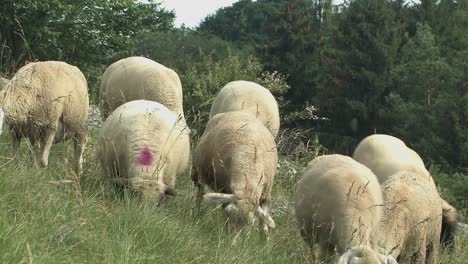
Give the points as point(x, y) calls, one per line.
point(143, 145)
point(338, 205)
point(412, 219)
point(386, 155)
point(136, 78)
point(47, 102)
point(251, 98)
point(236, 157)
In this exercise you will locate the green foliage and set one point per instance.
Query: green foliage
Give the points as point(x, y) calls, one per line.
point(202, 84)
point(453, 187)
point(205, 64)
point(183, 48)
point(85, 33)
point(365, 47)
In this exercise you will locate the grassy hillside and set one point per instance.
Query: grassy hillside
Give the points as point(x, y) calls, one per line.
point(50, 216)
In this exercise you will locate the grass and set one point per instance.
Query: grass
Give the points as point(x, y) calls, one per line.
point(43, 220)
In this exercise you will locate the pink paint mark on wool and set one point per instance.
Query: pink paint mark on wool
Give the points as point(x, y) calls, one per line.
point(145, 157)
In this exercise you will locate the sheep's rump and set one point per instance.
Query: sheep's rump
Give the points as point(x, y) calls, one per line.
point(412, 219)
point(135, 78)
point(47, 94)
point(386, 155)
point(337, 203)
point(251, 98)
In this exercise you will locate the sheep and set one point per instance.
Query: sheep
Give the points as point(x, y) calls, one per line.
point(251, 98)
point(143, 146)
point(411, 224)
point(136, 78)
point(47, 101)
point(236, 157)
point(385, 155)
point(338, 204)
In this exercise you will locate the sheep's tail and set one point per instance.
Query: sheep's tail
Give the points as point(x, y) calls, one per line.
point(449, 225)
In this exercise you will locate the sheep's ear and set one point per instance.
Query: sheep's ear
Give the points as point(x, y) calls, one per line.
point(231, 209)
point(170, 191)
point(219, 198)
point(389, 259)
point(346, 258)
point(266, 218)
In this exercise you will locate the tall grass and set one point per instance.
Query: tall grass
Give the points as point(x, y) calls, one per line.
point(50, 216)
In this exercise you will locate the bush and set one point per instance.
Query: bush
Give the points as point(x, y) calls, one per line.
point(452, 187)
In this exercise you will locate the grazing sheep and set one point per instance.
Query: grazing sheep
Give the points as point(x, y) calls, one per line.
point(144, 146)
point(385, 155)
point(236, 157)
point(47, 102)
point(136, 78)
point(251, 98)
point(412, 218)
point(337, 205)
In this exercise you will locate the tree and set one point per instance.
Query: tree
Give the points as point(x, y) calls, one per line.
point(86, 33)
point(356, 69)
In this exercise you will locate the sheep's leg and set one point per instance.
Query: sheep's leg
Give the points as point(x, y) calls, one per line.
point(200, 193)
point(199, 185)
point(432, 252)
point(79, 145)
point(46, 144)
point(420, 256)
point(15, 141)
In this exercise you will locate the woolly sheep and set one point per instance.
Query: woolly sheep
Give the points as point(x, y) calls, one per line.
point(251, 98)
point(143, 145)
point(136, 78)
point(47, 102)
point(338, 205)
point(385, 155)
point(236, 157)
point(412, 218)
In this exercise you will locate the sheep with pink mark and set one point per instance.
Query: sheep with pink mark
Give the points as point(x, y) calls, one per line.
point(143, 146)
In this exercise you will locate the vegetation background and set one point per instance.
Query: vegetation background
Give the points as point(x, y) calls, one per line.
point(339, 73)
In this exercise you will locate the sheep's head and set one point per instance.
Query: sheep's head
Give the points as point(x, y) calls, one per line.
point(157, 193)
point(240, 212)
point(365, 255)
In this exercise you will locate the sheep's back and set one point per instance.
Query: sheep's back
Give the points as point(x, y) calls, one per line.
point(136, 78)
point(412, 213)
point(386, 155)
point(251, 98)
point(41, 92)
point(338, 198)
